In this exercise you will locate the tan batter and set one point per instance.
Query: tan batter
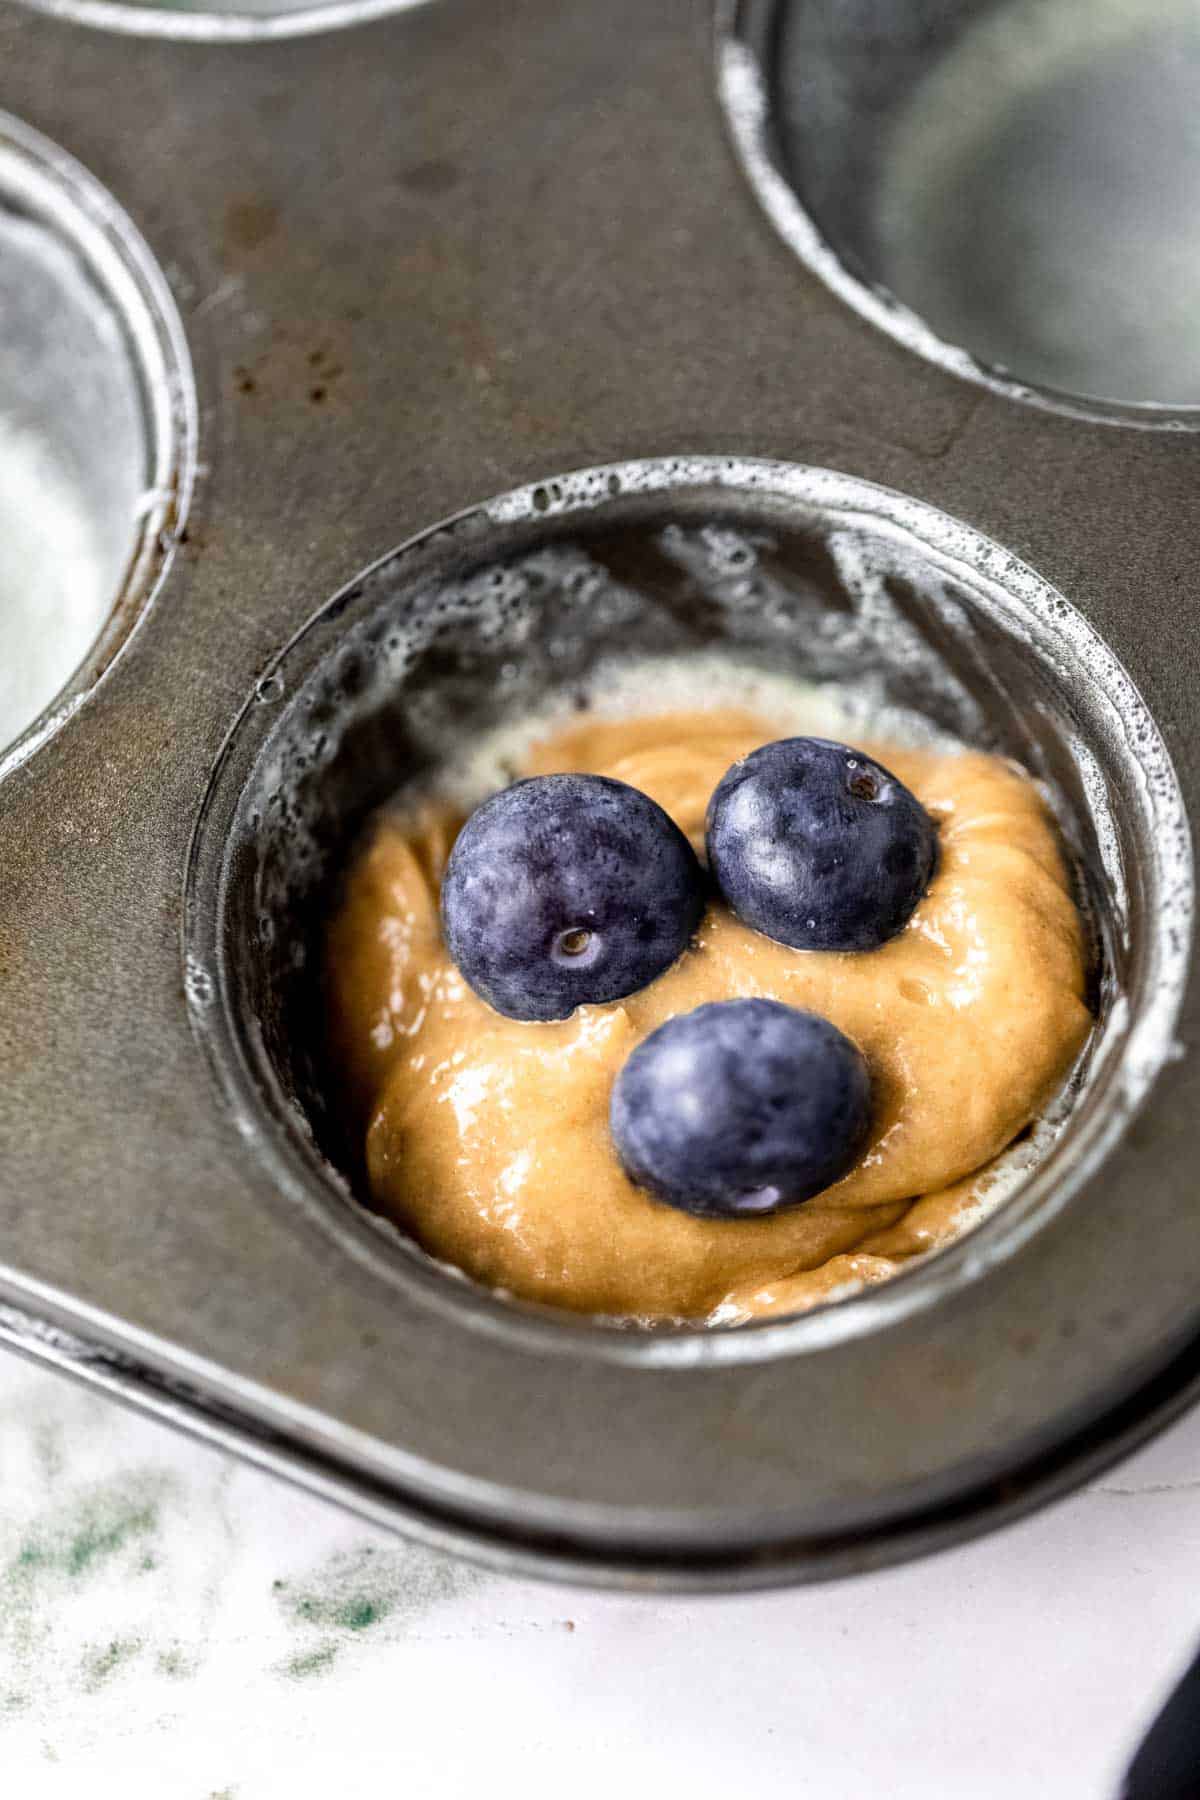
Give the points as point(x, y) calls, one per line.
point(488, 1138)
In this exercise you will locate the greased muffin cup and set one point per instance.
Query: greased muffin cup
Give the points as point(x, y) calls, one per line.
point(97, 435)
point(976, 181)
point(376, 341)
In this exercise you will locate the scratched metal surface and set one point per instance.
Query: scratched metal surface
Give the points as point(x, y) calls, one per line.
point(418, 262)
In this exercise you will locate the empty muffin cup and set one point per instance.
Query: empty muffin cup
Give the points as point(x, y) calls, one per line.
point(1005, 187)
point(97, 427)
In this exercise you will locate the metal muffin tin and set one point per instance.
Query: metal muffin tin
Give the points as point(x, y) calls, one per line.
point(423, 261)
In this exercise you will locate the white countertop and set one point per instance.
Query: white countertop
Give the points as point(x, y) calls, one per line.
point(175, 1624)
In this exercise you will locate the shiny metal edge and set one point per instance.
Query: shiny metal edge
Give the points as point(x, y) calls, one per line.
point(195, 25)
point(556, 1558)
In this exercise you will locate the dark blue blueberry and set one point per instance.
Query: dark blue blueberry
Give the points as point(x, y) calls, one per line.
point(740, 1108)
point(819, 846)
point(566, 891)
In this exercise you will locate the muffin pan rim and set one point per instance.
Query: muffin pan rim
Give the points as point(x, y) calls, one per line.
point(198, 26)
point(176, 1401)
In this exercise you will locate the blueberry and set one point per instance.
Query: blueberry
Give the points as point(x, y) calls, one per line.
point(818, 846)
point(740, 1108)
point(566, 891)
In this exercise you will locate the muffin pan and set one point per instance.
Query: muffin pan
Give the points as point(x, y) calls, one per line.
point(532, 261)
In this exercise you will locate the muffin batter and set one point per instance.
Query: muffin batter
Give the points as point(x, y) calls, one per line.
point(488, 1137)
